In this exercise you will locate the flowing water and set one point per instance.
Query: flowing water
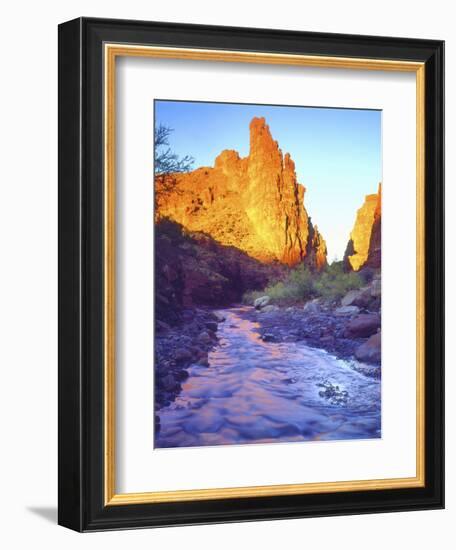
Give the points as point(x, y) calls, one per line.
point(260, 392)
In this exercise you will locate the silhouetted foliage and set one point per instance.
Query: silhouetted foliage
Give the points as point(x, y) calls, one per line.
point(167, 163)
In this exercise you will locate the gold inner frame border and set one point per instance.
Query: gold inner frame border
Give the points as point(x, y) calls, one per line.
point(111, 52)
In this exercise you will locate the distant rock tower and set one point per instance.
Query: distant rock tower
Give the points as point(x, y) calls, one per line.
point(364, 246)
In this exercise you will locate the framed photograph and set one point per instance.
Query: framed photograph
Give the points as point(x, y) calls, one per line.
point(250, 274)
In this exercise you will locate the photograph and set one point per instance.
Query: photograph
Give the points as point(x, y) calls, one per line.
point(267, 290)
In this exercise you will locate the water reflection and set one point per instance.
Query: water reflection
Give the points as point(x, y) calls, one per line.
point(259, 392)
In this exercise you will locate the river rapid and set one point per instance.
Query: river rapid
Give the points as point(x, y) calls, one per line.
point(260, 392)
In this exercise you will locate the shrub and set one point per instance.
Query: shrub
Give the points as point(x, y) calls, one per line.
point(334, 286)
point(281, 292)
point(303, 281)
point(298, 286)
point(301, 285)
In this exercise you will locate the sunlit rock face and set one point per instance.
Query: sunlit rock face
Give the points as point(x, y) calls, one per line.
point(254, 203)
point(374, 257)
point(364, 246)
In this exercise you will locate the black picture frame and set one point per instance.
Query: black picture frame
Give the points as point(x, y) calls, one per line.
point(81, 401)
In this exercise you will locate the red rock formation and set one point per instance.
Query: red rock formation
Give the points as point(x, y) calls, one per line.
point(374, 256)
point(364, 246)
point(316, 248)
point(254, 203)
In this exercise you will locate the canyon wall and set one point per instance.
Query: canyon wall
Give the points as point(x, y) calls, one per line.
point(364, 246)
point(254, 203)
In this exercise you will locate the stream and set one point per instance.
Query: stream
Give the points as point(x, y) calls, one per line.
point(261, 392)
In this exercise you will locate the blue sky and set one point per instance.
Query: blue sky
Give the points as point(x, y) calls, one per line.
point(337, 152)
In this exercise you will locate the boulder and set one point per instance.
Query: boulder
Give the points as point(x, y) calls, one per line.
point(212, 325)
point(204, 338)
point(218, 317)
point(375, 288)
point(261, 302)
point(366, 301)
point(367, 273)
point(351, 298)
point(375, 304)
point(371, 350)
point(181, 375)
point(268, 309)
point(183, 355)
point(312, 307)
point(363, 325)
point(347, 310)
point(203, 361)
point(365, 298)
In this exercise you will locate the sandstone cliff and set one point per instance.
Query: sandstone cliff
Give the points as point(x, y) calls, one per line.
point(374, 256)
point(254, 203)
point(364, 246)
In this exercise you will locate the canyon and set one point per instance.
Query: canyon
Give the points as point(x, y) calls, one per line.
point(308, 346)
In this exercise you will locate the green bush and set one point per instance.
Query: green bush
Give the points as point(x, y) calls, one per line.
point(298, 286)
point(334, 285)
point(303, 281)
point(281, 292)
point(301, 285)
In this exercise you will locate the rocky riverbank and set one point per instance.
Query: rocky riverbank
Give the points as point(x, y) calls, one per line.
point(350, 329)
point(177, 347)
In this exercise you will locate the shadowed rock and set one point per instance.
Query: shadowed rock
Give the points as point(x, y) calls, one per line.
point(363, 325)
point(193, 269)
point(370, 351)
